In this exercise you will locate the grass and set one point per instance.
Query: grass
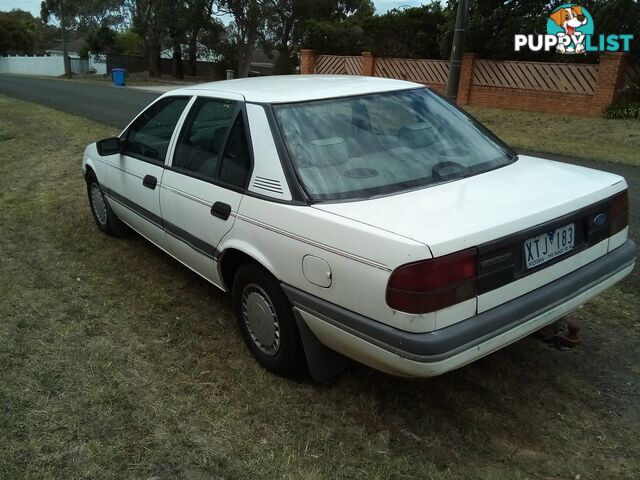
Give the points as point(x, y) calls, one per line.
point(592, 138)
point(119, 363)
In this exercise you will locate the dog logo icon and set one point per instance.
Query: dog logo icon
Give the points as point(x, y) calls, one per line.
point(570, 23)
point(570, 30)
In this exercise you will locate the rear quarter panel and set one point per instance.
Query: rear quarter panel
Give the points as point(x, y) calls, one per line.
point(361, 257)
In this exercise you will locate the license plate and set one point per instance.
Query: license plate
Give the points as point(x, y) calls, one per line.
point(541, 249)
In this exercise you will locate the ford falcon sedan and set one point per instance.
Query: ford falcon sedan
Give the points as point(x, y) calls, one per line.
point(360, 217)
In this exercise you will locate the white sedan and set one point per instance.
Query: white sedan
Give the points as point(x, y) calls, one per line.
point(360, 217)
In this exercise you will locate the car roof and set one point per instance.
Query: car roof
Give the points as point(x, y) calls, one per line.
point(299, 88)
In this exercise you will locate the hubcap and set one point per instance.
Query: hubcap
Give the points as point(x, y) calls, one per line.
point(261, 320)
point(99, 205)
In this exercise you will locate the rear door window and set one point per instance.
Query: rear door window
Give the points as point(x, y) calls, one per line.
point(200, 144)
point(236, 162)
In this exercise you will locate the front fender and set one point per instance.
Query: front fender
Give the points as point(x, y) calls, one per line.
point(89, 160)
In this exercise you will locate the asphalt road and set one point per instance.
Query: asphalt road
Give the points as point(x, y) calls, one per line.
point(102, 103)
point(117, 106)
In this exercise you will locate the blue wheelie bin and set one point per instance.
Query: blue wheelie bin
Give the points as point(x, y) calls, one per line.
point(117, 75)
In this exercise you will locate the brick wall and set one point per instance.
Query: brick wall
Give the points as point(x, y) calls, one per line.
point(307, 61)
point(531, 100)
point(569, 90)
point(552, 100)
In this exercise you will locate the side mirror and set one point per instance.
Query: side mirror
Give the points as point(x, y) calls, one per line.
point(109, 146)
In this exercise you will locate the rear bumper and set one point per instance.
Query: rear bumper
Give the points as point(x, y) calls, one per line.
point(428, 354)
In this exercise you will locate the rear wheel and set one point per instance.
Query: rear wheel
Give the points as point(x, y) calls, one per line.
point(105, 218)
point(266, 321)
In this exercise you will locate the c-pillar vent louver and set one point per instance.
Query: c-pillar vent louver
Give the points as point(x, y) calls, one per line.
point(268, 185)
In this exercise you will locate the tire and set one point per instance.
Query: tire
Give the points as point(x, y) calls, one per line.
point(266, 321)
point(105, 218)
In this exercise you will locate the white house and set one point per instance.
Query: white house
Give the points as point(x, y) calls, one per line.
point(204, 54)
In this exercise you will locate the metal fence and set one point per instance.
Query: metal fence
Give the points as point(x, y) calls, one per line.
point(135, 63)
point(79, 65)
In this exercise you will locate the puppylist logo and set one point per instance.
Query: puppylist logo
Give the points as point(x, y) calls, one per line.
point(570, 29)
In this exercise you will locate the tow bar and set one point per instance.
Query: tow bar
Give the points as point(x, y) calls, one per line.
point(561, 334)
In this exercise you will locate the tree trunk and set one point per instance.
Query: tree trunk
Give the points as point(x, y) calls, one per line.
point(146, 51)
point(158, 59)
point(244, 62)
point(153, 58)
point(193, 53)
point(65, 47)
point(178, 70)
point(246, 54)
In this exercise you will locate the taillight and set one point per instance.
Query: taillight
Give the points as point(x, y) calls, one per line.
point(431, 285)
point(619, 212)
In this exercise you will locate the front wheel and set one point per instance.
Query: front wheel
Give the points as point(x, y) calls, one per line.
point(266, 321)
point(105, 218)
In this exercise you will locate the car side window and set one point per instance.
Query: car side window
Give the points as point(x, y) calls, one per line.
point(236, 162)
point(202, 138)
point(149, 135)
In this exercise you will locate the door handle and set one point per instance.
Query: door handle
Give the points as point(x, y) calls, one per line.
point(150, 182)
point(221, 210)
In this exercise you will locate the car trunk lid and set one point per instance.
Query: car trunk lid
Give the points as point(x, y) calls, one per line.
point(498, 212)
point(472, 211)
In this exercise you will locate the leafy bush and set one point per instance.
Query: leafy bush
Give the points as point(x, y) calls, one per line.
point(619, 110)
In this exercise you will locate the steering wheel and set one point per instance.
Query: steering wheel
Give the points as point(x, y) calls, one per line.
point(447, 170)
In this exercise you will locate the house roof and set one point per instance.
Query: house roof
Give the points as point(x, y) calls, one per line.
point(259, 56)
point(72, 45)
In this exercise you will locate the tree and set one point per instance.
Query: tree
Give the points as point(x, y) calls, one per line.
point(73, 14)
point(226, 48)
point(337, 26)
point(344, 37)
point(320, 21)
point(493, 24)
point(145, 16)
point(65, 11)
point(95, 14)
point(199, 21)
point(129, 43)
point(407, 33)
point(172, 19)
point(20, 33)
point(284, 30)
point(103, 40)
point(248, 26)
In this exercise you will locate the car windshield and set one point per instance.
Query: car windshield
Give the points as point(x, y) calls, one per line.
point(359, 147)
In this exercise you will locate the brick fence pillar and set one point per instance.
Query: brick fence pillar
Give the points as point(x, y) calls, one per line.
point(307, 61)
point(466, 78)
point(368, 64)
point(608, 81)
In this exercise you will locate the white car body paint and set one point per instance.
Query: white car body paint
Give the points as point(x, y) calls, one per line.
point(362, 241)
point(467, 212)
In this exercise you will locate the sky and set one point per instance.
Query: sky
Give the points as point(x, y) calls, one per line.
point(33, 6)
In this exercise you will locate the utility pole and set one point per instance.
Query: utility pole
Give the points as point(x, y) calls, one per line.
point(457, 49)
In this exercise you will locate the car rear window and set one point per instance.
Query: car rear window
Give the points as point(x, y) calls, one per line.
point(384, 143)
